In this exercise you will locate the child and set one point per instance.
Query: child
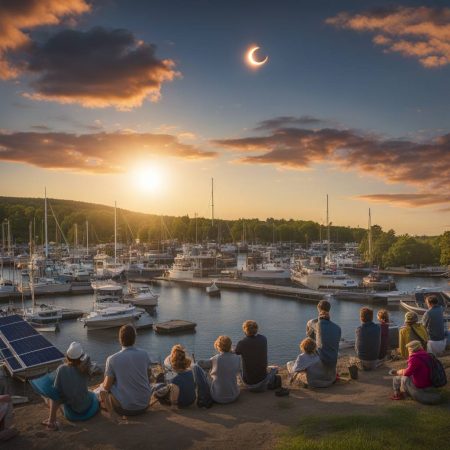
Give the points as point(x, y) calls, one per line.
point(306, 359)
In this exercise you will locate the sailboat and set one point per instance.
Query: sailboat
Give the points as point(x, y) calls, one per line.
point(45, 317)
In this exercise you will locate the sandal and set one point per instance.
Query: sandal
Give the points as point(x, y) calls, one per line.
point(51, 426)
point(399, 396)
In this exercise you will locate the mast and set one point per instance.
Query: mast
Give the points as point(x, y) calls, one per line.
point(115, 233)
point(212, 201)
point(31, 271)
point(87, 238)
point(370, 238)
point(328, 234)
point(196, 231)
point(45, 224)
point(76, 241)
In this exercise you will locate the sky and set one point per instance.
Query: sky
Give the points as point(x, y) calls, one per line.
point(144, 102)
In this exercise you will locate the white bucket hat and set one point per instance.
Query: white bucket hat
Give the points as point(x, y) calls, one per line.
point(75, 350)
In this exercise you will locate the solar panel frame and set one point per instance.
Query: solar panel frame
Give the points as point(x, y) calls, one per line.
point(18, 330)
point(46, 355)
point(30, 344)
point(2, 344)
point(14, 364)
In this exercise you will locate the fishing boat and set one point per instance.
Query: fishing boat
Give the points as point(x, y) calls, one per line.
point(213, 290)
point(378, 282)
point(141, 296)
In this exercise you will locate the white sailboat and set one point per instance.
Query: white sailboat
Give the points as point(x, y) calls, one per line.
point(44, 318)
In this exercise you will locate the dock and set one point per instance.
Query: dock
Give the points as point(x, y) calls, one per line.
point(266, 289)
point(174, 326)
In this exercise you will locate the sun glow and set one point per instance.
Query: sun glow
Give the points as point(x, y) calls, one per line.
point(148, 178)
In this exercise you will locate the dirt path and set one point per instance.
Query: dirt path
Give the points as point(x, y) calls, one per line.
point(255, 421)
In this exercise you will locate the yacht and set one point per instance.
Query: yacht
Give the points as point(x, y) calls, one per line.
point(111, 317)
point(378, 282)
point(7, 288)
point(266, 272)
point(141, 296)
point(107, 293)
point(43, 317)
point(45, 286)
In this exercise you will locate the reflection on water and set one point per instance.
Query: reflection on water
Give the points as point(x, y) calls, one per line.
point(282, 320)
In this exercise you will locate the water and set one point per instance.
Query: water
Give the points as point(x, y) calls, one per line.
point(281, 320)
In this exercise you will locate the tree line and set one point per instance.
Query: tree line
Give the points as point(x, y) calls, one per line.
point(68, 218)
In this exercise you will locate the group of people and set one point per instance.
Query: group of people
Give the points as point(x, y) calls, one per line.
point(130, 386)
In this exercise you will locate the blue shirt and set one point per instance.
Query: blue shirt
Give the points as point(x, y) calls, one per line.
point(186, 384)
point(433, 321)
point(328, 335)
point(368, 339)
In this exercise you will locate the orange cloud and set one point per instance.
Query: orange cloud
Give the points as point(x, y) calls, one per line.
point(19, 15)
point(422, 32)
point(409, 200)
point(425, 165)
point(92, 153)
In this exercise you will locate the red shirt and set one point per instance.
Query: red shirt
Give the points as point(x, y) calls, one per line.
point(418, 369)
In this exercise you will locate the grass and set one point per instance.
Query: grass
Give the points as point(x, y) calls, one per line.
point(396, 427)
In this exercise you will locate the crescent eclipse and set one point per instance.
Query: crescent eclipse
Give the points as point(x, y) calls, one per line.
point(251, 57)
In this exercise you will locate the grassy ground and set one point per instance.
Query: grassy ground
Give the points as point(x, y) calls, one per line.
point(397, 427)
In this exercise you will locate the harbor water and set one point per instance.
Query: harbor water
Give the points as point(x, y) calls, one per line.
point(281, 320)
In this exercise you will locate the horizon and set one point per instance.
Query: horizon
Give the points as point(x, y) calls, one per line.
point(144, 104)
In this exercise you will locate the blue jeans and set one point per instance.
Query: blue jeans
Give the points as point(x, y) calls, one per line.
point(262, 385)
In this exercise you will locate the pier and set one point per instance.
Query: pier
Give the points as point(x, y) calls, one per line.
point(266, 289)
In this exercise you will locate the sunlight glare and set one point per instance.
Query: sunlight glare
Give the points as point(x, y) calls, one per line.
point(148, 178)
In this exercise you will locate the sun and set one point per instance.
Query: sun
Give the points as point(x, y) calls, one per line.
point(148, 178)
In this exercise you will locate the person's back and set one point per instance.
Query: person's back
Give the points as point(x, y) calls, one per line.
point(71, 385)
point(433, 320)
point(419, 369)
point(367, 343)
point(411, 332)
point(131, 386)
point(383, 317)
point(186, 384)
point(253, 350)
point(328, 337)
point(225, 368)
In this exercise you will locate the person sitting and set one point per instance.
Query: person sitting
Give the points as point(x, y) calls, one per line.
point(253, 350)
point(298, 369)
point(433, 321)
point(182, 387)
point(367, 343)
point(224, 369)
point(126, 389)
point(411, 331)
point(416, 378)
point(327, 335)
point(383, 318)
point(67, 387)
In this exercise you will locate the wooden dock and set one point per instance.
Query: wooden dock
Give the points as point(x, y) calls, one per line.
point(266, 289)
point(174, 326)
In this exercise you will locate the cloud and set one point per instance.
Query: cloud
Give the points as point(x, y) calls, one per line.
point(97, 68)
point(283, 121)
point(40, 128)
point(419, 32)
point(425, 165)
point(94, 153)
point(16, 16)
point(409, 200)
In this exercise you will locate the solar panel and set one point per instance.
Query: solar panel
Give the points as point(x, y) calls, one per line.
point(18, 330)
point(30, 344)
point(10, 319)
point(22, 347)
point(41, 356)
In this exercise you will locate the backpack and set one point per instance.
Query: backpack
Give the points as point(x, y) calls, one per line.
point(275, 384)
point(438, 375)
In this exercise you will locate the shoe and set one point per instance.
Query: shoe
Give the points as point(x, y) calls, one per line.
point(399, 396)
point(282, 392)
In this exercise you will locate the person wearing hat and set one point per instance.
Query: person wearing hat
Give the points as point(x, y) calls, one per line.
point(411, 331)
point(416, 376)
point(68, 387)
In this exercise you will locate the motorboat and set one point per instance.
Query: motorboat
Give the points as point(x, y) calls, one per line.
point(213, 290)
point(266, 272)
point(43, 317)
point(141, 296)
point(416, 302)
point(377, 281)
point(111, 317)
point(7, 288)
point(107, 293)
point(45, 286)
point(315, 278)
